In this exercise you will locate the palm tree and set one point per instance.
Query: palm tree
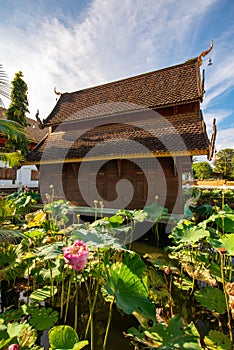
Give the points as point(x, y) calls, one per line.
point(10, 129)
point(5, 89)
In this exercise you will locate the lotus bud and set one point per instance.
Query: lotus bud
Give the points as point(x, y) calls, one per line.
point(13, 347)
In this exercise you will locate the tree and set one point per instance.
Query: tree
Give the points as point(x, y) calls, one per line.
point(18, 109)
point(19, 101)
point(224, 163)
point(9, 129)
point(202, 170)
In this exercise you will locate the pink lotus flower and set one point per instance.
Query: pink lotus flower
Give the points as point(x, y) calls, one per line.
point(76, 255)
point(13, 347)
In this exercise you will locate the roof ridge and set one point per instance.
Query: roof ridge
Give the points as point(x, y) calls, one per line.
point(133, 77)
point(171, 85)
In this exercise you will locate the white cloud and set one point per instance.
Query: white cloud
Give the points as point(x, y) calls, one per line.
point(218, 114)
point(111, 41)
point(225, 139)
point(220, 76)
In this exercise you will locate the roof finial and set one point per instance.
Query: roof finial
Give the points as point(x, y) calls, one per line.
point(40, 124)
point(212, 141)
point(57, 92)
point(204, 53)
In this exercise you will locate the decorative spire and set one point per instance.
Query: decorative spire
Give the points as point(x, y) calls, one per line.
point(57, 92)
point(212, 141)
point(39, 122)
point(204, 53)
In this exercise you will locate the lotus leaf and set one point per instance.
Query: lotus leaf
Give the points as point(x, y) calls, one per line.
point(216, 340)
point(226, 222)
point(93, 238)
point(175, 335)
point(154, 211)
point(227, 242)
point(181, 228)
point(12, 315)
point(36, 219)
point(183, 283)
point(43, 293)
point(116, 220)
point(43, 318)
point(53, 271)
point(205, 209)
point(130, 292)
point(212, 299)
point(51, 251)
point(25, 334)
point(80, 345)
point(65, 338)
point(194, 234)
point(134, 263)
point(35, 233)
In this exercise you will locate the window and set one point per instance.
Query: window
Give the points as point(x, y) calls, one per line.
point(7, 173)
point(34, 175)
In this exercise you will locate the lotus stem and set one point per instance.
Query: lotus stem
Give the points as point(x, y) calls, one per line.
point(95, 295)
point(90, 316)
point(28, 285)
point(102, 207)
point(62, 296)
point(223, 209)
point(95, 209)
point(93, 306)
point(108, 325)
point(223, 196)
point(51, 286)
point(78, 218)
point(156, 233)
point(171, 299)
point(68, 297)
point(76, 304)
point(226, 300)
point(52, 193)
point(230, 268)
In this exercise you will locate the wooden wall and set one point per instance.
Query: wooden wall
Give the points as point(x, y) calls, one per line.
point(98, 182)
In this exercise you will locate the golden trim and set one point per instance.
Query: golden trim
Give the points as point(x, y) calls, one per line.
point(122, 156)
point(204, 53)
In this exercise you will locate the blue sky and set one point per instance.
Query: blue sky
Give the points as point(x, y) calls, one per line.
point(74, 44)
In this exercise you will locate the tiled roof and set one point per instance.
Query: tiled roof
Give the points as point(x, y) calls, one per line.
point(182, 133)
point(166, 87)
point(34, 133)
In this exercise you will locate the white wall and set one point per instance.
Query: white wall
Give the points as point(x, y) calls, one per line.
point(23, 178)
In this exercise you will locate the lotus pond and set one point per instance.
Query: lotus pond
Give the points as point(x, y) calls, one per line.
point(70, 284)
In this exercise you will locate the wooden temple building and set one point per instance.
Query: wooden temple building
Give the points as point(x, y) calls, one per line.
point(143, 129)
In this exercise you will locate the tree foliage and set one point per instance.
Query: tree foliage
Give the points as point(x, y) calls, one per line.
point(224, 163)
point(14, 132)
point(18, 109)
point(8, 128)
point(19, 101)
point(202, 170)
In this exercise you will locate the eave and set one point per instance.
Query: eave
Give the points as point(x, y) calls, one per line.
point(122, 156)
